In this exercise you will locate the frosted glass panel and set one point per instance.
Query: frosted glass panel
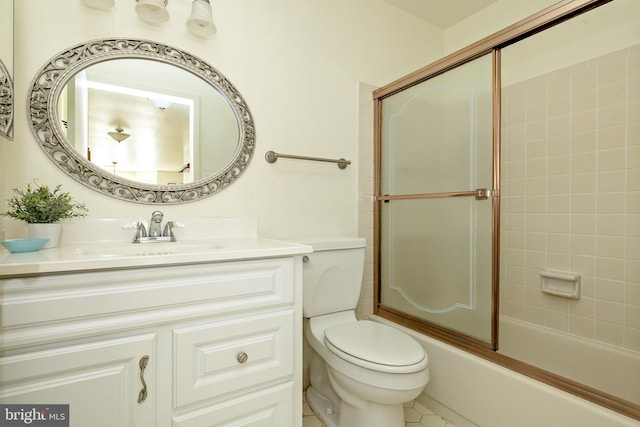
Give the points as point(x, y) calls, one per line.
point(435, 260)
point(437, 135)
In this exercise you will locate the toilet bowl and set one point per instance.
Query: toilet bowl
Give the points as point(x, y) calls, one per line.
point(361, 372)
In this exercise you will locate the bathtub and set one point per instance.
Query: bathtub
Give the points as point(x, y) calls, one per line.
point(604, 367)
point(470, 391)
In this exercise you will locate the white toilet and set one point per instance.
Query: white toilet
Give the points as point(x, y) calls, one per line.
point(361, 371)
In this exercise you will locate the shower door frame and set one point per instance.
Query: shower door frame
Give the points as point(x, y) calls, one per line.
point(551, 16)
point(435, 329)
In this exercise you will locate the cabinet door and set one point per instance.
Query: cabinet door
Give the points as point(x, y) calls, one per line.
point(100, 381)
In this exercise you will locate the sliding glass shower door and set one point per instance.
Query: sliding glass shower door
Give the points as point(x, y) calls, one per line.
point(435, 201)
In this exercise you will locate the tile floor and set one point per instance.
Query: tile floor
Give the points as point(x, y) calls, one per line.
point(415, 415)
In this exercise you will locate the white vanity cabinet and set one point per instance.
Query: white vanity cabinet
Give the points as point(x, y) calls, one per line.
point(223, 342)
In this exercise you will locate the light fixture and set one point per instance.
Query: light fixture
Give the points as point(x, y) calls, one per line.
point(200, 23)
point(160, 104)
point(152, 11)
point(119, 135)
point(100, 4)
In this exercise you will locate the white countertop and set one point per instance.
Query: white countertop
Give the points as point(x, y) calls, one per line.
point(101, 256)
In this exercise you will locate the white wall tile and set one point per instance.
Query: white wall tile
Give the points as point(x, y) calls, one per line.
point(611, 224)
point(582, 327)
point(633, 113)
point(585, 100)
point(612, 181)
point(585, 307)
point(632, 271)
point(584, 142)
point(610, 333)
point(612, 203)
point(612, 137)
point(610, 290)
point(583, 121)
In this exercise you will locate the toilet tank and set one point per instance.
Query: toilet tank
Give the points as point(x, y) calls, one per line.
point(332, 275)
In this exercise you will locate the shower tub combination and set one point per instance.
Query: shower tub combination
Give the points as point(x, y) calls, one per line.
point(471, 391)
point(506, 172)
point(607, 368)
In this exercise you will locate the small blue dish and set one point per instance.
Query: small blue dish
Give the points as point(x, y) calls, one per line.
point(24, 245)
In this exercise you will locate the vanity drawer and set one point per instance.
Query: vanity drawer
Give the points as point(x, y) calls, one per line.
point(209, 358)
point(268, 407)
point(219, 288)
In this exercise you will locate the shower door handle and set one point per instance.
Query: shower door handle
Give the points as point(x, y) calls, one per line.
point(478, 193)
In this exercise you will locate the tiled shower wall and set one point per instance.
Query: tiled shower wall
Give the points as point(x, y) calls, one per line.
point(366, 193)
point(571, 197)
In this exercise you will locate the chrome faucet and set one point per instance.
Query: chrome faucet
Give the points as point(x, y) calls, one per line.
point(155, 224)
point(155, 232)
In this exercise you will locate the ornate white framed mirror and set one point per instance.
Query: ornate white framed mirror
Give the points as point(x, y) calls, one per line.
point(141, 121)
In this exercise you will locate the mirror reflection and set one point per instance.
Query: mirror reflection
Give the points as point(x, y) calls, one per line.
point(148, 121)
point(6, 69)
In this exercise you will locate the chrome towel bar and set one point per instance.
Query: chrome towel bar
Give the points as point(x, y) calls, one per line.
point(272, 156)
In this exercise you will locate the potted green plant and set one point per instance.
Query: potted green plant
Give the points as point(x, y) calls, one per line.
point(42, 208)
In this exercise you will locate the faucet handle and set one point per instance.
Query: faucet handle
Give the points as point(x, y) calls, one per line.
point(168, 229)
point(141, 231)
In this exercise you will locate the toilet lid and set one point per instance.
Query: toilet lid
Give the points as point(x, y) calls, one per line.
point(374, 343)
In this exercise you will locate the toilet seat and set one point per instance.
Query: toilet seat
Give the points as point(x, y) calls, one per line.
point(375, 346)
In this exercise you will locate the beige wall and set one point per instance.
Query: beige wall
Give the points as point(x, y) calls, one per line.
point(298, 65)
point(487, 21)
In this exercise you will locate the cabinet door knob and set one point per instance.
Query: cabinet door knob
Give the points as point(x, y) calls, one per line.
point(242, 357)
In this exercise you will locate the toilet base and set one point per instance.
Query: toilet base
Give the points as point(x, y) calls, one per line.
point(323, 408)
point(371, 415)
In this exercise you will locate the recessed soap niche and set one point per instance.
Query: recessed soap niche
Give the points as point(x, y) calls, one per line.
point(561, 283)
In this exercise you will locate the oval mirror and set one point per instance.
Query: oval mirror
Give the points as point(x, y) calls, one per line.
point(141, 121)
point(6, 69)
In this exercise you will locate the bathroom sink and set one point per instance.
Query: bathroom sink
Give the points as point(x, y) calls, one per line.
point(145, 249)
point(102, 244)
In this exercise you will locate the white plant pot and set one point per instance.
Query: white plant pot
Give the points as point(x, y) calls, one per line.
point(46, 231)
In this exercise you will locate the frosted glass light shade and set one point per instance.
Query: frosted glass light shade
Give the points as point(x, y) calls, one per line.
point(200, 23)
point(152, 11)
point(119, 135)
point(99, 4)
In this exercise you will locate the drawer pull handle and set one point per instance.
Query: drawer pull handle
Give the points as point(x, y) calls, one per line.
point(142, 396)
point(242, 357)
